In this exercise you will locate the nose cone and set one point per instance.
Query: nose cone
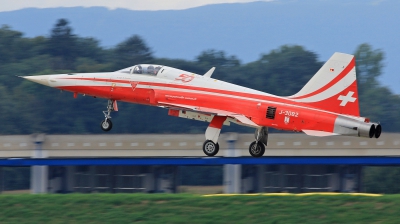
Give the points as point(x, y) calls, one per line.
point(41, 79)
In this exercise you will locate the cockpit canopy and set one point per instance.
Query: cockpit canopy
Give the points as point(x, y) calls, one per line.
point(143, 69)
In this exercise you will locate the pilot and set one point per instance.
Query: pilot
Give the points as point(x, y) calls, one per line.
point(150, 70)
point(137, 70)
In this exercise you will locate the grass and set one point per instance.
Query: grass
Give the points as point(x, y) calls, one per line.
point(187, 208)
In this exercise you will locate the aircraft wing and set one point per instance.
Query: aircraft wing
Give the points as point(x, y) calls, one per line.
point(205, 110)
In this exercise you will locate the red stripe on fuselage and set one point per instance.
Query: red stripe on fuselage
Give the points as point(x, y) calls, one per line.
point(101, 80)
point(206, 91)
point(189, 87)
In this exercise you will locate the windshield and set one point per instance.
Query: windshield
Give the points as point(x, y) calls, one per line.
point(143, 69)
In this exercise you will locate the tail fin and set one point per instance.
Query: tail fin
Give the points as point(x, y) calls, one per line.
point(333, 87)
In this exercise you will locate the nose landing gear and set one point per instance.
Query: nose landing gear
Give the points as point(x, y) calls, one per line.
point(106, 124)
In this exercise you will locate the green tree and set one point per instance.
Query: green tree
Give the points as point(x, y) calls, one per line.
point(8, 41)
point(283, 71)
point(376, 102)
point(369, 66)
point(62, 45)
point(90, 48)
point(132, 51)
point(218, 59)
point(226, 66)
point(382, 180)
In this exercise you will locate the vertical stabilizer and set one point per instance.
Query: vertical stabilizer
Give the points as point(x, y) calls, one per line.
point(333, 87)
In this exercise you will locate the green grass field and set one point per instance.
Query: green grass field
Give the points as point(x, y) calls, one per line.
point(185, 208)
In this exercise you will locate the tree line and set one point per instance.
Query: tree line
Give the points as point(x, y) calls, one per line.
point(28, 107)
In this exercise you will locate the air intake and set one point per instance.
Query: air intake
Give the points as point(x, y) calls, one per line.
point(271, 112)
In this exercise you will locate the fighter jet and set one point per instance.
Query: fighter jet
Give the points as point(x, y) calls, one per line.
point(327, 105)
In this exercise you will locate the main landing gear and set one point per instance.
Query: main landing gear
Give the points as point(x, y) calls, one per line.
point(106, 124)
point(211, 146)
point(257, 148)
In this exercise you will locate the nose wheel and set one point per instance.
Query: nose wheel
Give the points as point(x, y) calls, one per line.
point(106, 124)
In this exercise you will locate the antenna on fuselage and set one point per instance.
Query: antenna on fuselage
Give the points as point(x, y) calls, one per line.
point(209, 73)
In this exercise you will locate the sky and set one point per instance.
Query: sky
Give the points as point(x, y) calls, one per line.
point(7, 5)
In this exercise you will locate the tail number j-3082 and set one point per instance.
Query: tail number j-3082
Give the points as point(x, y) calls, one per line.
point(289, 113)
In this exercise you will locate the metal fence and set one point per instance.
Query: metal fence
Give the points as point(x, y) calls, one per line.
point(119, 179)
point(296, 181)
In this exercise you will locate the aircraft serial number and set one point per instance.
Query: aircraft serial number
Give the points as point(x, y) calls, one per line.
point(289, 113)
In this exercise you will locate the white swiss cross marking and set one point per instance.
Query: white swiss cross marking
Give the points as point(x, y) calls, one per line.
point(347, 98)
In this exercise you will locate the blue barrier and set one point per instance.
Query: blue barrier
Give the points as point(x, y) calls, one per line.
point(373, 161)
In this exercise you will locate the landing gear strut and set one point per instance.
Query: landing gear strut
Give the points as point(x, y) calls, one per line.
point(211, 146)
point(106, 124)
point(257, 147)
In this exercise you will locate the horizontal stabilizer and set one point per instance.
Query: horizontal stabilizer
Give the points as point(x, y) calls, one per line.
point(318, 133)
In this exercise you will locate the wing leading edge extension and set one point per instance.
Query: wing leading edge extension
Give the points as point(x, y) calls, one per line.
point(208, 111)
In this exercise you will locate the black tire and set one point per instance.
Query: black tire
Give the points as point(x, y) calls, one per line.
point(210, 148)
point(256, 149)
point(106, 125)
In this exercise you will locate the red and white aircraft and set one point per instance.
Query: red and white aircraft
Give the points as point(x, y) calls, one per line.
point(326, 105)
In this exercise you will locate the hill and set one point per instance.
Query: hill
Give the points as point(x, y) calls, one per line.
point(244, 30)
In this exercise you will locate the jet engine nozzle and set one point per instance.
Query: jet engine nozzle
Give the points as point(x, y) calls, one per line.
point(366, 130)
point(378, 130)
point(351, 127)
